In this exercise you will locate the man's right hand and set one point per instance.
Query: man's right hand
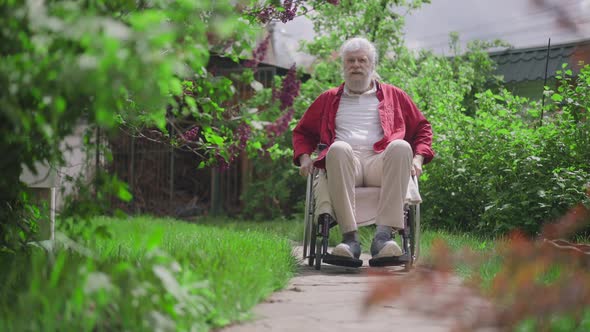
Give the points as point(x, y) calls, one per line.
point(306, 165)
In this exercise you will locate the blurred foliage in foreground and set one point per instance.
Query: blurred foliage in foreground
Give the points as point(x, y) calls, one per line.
point(143, 274)
point(536, 284)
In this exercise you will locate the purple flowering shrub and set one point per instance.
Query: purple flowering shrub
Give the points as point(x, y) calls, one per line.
point(289, 89)
point(286, 97)
point(286, 12)
point(191, 135)
point(239, 144)
point(273, 197)
point(258, 54)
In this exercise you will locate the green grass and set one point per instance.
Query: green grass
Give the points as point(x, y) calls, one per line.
point(489, 265)
point(166, 274)
point(289, 229)
point(243, 264)
point(149, 274)
point(489, 259)
point(293, 230)
point(486, 272)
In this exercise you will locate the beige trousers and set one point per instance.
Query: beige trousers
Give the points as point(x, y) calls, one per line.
point(348, 167)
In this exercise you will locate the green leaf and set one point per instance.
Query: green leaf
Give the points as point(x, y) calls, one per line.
point(175, 87)
point(191, 103)
point(557, 97)
point(124, 194)
point(214, 138)
point(224, 28)
point(104, 117)
point(60, 105)
point(57, 270)
point(159, 118)
point(503, 132)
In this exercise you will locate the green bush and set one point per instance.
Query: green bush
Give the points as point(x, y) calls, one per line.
point(126, 67)
point(501, 172)
point(279, 191)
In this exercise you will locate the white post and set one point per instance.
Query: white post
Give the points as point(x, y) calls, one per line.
point(43, 187)
point(52, 210)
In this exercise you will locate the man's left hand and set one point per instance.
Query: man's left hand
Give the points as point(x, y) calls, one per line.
point(417, 165)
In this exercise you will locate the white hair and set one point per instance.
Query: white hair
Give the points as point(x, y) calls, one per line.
point(359, 43)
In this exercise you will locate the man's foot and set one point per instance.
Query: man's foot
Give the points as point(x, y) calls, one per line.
point(384, 246)
point(350, 249)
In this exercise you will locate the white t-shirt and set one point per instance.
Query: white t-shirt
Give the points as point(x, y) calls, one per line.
point(357, 120)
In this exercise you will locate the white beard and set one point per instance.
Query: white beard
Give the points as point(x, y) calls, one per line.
point(358, 84)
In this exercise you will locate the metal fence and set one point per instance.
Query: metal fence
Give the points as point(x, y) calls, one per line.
point(167, 181)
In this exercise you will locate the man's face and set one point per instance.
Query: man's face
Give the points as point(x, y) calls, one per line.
point(357, 67)
point(357, 64)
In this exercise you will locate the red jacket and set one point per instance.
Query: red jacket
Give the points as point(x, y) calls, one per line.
point(400, 119)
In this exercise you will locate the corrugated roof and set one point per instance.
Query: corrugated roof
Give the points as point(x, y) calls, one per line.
point(528, 64)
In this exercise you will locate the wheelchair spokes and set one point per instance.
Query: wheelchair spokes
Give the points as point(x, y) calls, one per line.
point(308, 232)
point(312, 245)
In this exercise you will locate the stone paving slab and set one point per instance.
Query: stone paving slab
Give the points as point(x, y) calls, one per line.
point(332, 300)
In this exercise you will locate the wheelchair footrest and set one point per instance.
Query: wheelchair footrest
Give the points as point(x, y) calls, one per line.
point(342, 261)
point(389, 261)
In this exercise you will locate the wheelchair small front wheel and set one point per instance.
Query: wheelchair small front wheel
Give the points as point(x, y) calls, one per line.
point(322, 241)
point(312, 246)
point(318, 254)
point(413, 223)
point(410, 264)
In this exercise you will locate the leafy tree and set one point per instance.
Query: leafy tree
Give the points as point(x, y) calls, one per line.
point(106, 63)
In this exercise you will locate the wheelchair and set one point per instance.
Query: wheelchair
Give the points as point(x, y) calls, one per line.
point(317, 232)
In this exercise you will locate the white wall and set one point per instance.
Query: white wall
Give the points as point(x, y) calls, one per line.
point(78, 162)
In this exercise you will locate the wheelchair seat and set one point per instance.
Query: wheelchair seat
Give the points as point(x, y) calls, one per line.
point(366, 199)
point(318, 205)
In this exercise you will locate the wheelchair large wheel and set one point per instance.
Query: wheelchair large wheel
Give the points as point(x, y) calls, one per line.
point(413, 223)
point(309, 232)
point(312, 244)
point(318, 252)
point(416, 233)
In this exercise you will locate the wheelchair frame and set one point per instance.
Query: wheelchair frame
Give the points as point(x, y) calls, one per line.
point(317, 232)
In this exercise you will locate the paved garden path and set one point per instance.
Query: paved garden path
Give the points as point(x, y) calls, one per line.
point(332, 300)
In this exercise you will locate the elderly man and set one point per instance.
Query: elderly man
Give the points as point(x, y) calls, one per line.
point(376, 137)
